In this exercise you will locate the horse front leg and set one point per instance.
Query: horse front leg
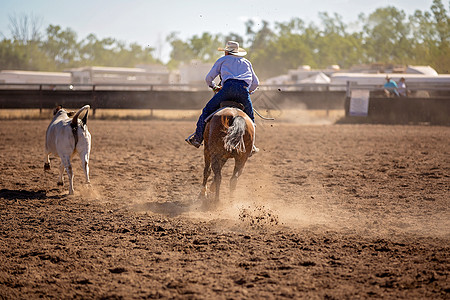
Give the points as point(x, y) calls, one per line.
point(206, 173)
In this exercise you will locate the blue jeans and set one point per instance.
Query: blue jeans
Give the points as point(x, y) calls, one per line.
point(232, 90)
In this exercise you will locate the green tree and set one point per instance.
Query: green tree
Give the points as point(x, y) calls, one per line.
point(286, 52)
point(130, 56)
point(23, 50)
point(61, 46)
point(233, 37)
point(96, 52)
point(335, 45)
point(12, 55)
point(259, 39)
point(181, 51)
point(387, 36)
point(430, 31)
point(204, 47)
point(29, 57)
point(441, 51)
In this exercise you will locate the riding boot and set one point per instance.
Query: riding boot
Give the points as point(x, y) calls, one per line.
point(192, 140)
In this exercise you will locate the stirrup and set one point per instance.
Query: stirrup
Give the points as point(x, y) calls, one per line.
point(191, 140)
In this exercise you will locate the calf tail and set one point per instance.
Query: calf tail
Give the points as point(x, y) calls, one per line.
point(234, 140)
point(74, 123)
point(75, 117)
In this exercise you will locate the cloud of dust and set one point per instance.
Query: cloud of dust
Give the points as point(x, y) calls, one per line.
point(257, 202)
point(306, 206)
point(263, 201)
point(146, 200)
point(299, 114)
point(89, 191)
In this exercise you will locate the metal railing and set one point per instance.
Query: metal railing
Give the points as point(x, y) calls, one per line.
point(102, 87)
point(160, 87)
point(414, 89)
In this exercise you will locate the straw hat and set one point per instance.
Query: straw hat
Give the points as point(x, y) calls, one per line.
point(233, 48)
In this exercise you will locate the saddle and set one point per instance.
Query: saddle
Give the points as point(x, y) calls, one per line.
point(232, 104)
point(223, 105)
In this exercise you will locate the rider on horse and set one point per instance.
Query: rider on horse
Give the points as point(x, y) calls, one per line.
point(239, 81)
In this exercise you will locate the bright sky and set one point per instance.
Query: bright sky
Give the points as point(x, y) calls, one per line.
point(149, 22)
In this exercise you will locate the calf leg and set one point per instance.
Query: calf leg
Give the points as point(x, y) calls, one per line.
point(68, 167)
point(46, 162)
point(85, 164)
point(61, 174)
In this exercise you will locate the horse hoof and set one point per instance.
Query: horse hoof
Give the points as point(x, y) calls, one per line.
point(46, 167)
point(60, 183)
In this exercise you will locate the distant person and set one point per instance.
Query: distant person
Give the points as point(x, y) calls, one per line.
point(402, 88)
point(238, 82)
point(390, 87)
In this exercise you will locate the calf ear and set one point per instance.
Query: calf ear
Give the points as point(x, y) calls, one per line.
point(56, 109)
point(84, 120)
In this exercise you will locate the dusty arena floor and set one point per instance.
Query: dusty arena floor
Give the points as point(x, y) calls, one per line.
point(322, 212)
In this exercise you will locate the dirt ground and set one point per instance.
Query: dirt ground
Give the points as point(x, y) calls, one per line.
point(322, 212)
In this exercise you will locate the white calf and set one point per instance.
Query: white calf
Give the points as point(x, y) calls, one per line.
point(65, 136)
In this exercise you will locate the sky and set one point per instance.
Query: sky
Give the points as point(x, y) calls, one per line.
point(149, 22)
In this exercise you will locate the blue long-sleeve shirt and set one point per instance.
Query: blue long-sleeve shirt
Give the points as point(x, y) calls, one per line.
point(391, 84)
point(233, 67)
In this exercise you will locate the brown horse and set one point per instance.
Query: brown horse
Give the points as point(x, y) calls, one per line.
point(228, 134)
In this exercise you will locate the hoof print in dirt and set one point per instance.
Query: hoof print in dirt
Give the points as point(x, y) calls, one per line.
point(118, 270)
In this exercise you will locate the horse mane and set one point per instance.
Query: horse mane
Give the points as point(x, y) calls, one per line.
point(234, 140)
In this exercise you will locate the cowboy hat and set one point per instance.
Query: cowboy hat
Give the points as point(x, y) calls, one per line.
point(232, 47)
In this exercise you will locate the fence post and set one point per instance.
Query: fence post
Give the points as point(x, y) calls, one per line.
point(40, 100)
point(93, 101)
point(151, 108)
point(347, 99)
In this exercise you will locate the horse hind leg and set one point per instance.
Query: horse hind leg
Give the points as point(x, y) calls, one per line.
point(238, 168)
point(217, 165)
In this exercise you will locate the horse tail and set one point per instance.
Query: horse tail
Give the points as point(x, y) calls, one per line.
point(234, 140)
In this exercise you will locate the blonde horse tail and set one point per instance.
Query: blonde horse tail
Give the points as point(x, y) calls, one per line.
point(234, 140)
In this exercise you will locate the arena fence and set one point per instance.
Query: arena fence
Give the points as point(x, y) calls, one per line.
point(430, 104)
point(44, 96)
point(423, 104)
